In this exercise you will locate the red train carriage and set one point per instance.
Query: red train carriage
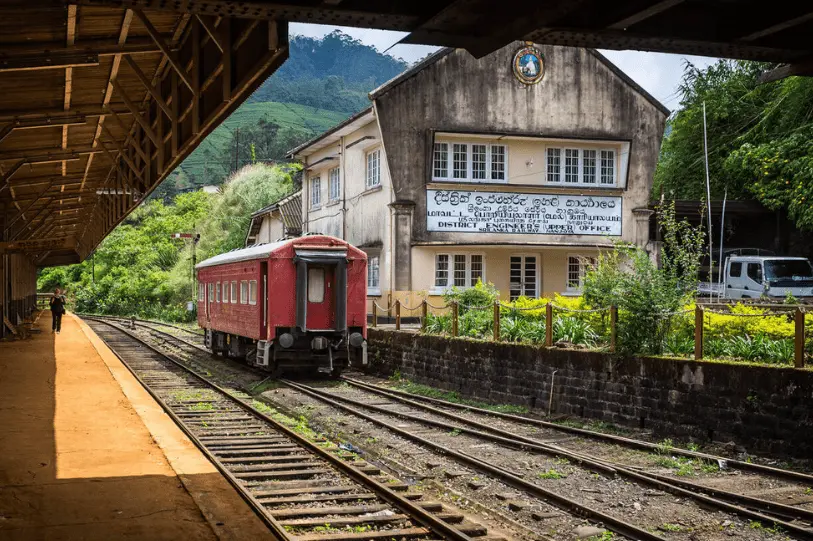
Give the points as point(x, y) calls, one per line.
point(300, 302)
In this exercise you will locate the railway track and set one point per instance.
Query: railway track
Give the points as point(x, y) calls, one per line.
point(303, 490)
point(790, 519)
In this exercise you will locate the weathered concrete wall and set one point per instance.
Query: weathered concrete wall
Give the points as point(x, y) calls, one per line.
point(766, 409)
point(581, 97)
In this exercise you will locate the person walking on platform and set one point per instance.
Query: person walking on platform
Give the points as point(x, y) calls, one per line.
point(57, 309)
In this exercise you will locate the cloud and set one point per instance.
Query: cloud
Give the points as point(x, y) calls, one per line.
point(658, 73)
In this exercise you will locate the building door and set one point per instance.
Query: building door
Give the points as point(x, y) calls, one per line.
point(524, 276)
point(321, 298)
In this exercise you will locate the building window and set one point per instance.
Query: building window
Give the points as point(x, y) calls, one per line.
point(477, 269)
point(554, 164)
point(460, 270)
point(465, 271)
point(334, 185)
point(217, 292)
point(373, 277)
point(572, 165)
point(523, 276)
point(234, 292)
point(243, 292)
point(608, 167)
point(441, 270)
point(478, 162)
point(252, 292)
point(460, 161)
point(577, 268)
point(374, 168)
point(497, 162)
point(316, 192)
point(440, 161)
point(589, 166)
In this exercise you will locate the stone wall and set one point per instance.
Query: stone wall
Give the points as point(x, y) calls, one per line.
point(765, 409)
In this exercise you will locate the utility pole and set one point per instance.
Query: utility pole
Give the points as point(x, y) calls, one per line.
point(708, 193)
point(236, 148)
point(195, 238)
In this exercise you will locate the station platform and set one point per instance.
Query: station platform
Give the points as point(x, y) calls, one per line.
point(86, 453)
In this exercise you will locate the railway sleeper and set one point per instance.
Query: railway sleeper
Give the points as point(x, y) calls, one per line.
point(403, 533)
point(265, 459)
point(342, 522)
point(285, 474)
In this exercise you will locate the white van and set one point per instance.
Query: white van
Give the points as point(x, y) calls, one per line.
point(751, 277)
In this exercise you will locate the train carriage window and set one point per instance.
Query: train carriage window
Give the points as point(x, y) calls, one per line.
point(217, 292)
point(234, 292)
point(211, 292)
point(201, 293)
point(225, 292)
point(252, 292)
point(243, 292)
point(316, 285)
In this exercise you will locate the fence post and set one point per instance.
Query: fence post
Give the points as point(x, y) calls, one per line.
point(613, 328)
point(698, 332)
point(454, 318)
point(424, 313)
point(799, 335)
point(496, 321)
point(375, 314)
point(548, 325)
point(398, 315)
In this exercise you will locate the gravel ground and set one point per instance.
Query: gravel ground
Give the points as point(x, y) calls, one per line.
point(491, 502)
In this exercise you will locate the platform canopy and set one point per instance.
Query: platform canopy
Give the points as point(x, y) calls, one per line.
point(101, 99)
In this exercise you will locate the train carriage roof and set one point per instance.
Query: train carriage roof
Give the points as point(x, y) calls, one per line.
point(264, 251)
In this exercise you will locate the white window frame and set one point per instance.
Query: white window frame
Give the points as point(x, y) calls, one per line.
point(374, 290)
point(201, 292)
point(369, 182)
point(243, 291)
point(316, 191)
point(449, 148)
point(562, 175)
point(252, 292)
point(233, 289)
point(537, 276)
point(225, 289)
point(334, 181)
point(570, 290)
point(440, 146)
point(450, 271)
point(600, 167)
point(211, 287)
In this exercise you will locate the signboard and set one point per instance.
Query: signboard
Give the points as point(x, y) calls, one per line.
point(38, 245)
point(522, 213)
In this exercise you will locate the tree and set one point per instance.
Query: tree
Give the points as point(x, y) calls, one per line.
point(758, 137)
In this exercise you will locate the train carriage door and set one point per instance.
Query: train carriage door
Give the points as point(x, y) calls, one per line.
point(321, 297)
point(321, 289)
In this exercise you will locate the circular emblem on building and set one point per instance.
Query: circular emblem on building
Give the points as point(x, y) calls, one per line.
point(529, 65)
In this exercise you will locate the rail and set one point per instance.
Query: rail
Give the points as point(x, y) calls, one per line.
point(229, 447)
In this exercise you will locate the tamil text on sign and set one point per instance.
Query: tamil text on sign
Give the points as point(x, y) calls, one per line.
point(542, 214)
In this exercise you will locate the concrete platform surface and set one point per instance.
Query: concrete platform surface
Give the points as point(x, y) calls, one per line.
point(87, 454)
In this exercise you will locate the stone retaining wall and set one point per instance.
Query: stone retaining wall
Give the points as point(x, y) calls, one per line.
point(765, 409)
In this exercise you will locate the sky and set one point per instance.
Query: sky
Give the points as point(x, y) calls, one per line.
point(658, 73)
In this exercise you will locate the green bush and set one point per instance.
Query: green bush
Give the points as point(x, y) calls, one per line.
point(481, 295)
point(758, 348)
point(574, 330)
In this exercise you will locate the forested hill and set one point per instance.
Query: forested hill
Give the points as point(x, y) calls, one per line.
point(323, 82)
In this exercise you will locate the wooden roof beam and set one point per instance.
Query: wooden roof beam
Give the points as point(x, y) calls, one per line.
point(136, 113)
point(53, 115)
point(48, 61)
point(98, 47)
point(162, 44)
point(47, 155)
point(154, 92)
point(778, 27)
point(6, 176)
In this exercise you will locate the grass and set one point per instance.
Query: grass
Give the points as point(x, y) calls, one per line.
point(757, 525)
point(667, 527)
point(606, 536)
point(450, 396)
point(283, 114)
point(202, 406)
point(552, 473)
